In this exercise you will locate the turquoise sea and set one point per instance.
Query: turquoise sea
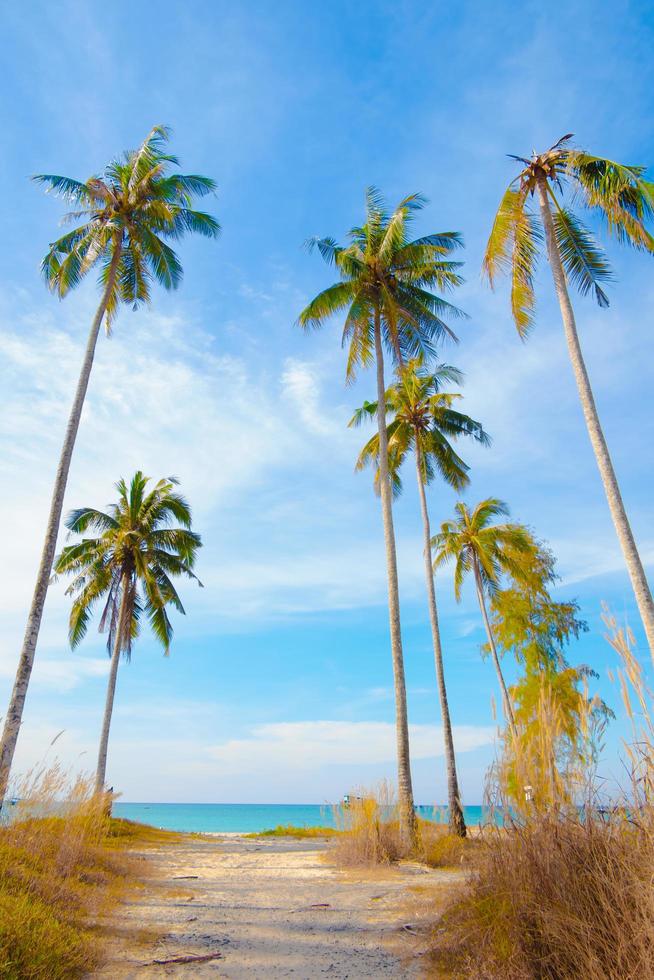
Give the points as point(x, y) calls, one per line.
point(253, 817)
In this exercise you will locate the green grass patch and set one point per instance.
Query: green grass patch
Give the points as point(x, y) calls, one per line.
point(288, 830)
point(128, 832)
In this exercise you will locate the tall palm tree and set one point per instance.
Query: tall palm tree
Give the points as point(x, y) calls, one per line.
point(423, 421)
point(127, 214)
point(385, 291)
point(625, 201)
point(489, 551)
point(129, 566)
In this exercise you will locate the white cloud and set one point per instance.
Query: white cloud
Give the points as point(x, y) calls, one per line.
point(590, 558)
point(302, 389)
point(167, 750)
point(284, 746)
point(57, 674)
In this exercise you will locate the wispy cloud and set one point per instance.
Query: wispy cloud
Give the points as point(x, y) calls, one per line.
point(301, 389)
point(54, 673)
point(285, 746)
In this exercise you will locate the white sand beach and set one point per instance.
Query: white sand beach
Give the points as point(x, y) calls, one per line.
point(270, 908)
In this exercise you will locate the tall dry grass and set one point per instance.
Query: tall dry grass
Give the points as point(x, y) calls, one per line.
point(369, 833)
point(59, 869)
point(566, 891)
point(369, 828)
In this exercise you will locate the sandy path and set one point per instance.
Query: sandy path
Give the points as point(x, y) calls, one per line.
point(252, 902)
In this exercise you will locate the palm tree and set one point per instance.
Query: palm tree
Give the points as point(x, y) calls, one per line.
point(385, 291)
point(127, 213)
point(423, 421)
point(621, 196)
point(488, 551)
point(129, 566)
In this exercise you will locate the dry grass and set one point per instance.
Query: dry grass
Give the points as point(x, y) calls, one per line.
point(563, 892)
point(370, 829)
point(369, 834)
point(61, 867)
point(438, 848)
point(556, 898)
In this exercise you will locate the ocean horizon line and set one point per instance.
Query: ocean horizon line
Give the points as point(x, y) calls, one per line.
point(265, 803)
point(257, 817)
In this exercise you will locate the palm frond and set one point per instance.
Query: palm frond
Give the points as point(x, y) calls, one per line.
point(443, 241)
point(584, 262)
point(367, 412)
point(526, 237)
point(331, 300)
point(73, 191)
point(487, 510)
point(149, 154)
point(84, 518)
point(499, 248)
point(376, 212)
point(199, 222)
point(619, 192)
point(184, 187)
point(165, 265)
point(358, 329)
point(439, 456)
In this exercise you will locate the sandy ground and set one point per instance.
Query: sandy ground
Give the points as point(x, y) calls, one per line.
point(272, 907)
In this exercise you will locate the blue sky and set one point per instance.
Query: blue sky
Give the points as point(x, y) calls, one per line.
point(279, 683)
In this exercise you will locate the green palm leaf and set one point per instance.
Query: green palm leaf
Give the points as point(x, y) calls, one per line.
point(584, 262)
point(69, 189)
point(619, 192)
point(331, 300)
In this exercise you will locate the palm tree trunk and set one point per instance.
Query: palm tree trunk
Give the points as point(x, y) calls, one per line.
point(611, 488)
point(408, 823)
point(456, 819)
point(508, 709)
point(101, 771)
point(14, 714)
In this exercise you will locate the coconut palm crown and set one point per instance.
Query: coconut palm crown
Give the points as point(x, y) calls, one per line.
point(135, 554)
point(490, 551)
point(619, 194)
point(127, 214)
point(382, 271)
point(473, 541)
point(422, 420)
